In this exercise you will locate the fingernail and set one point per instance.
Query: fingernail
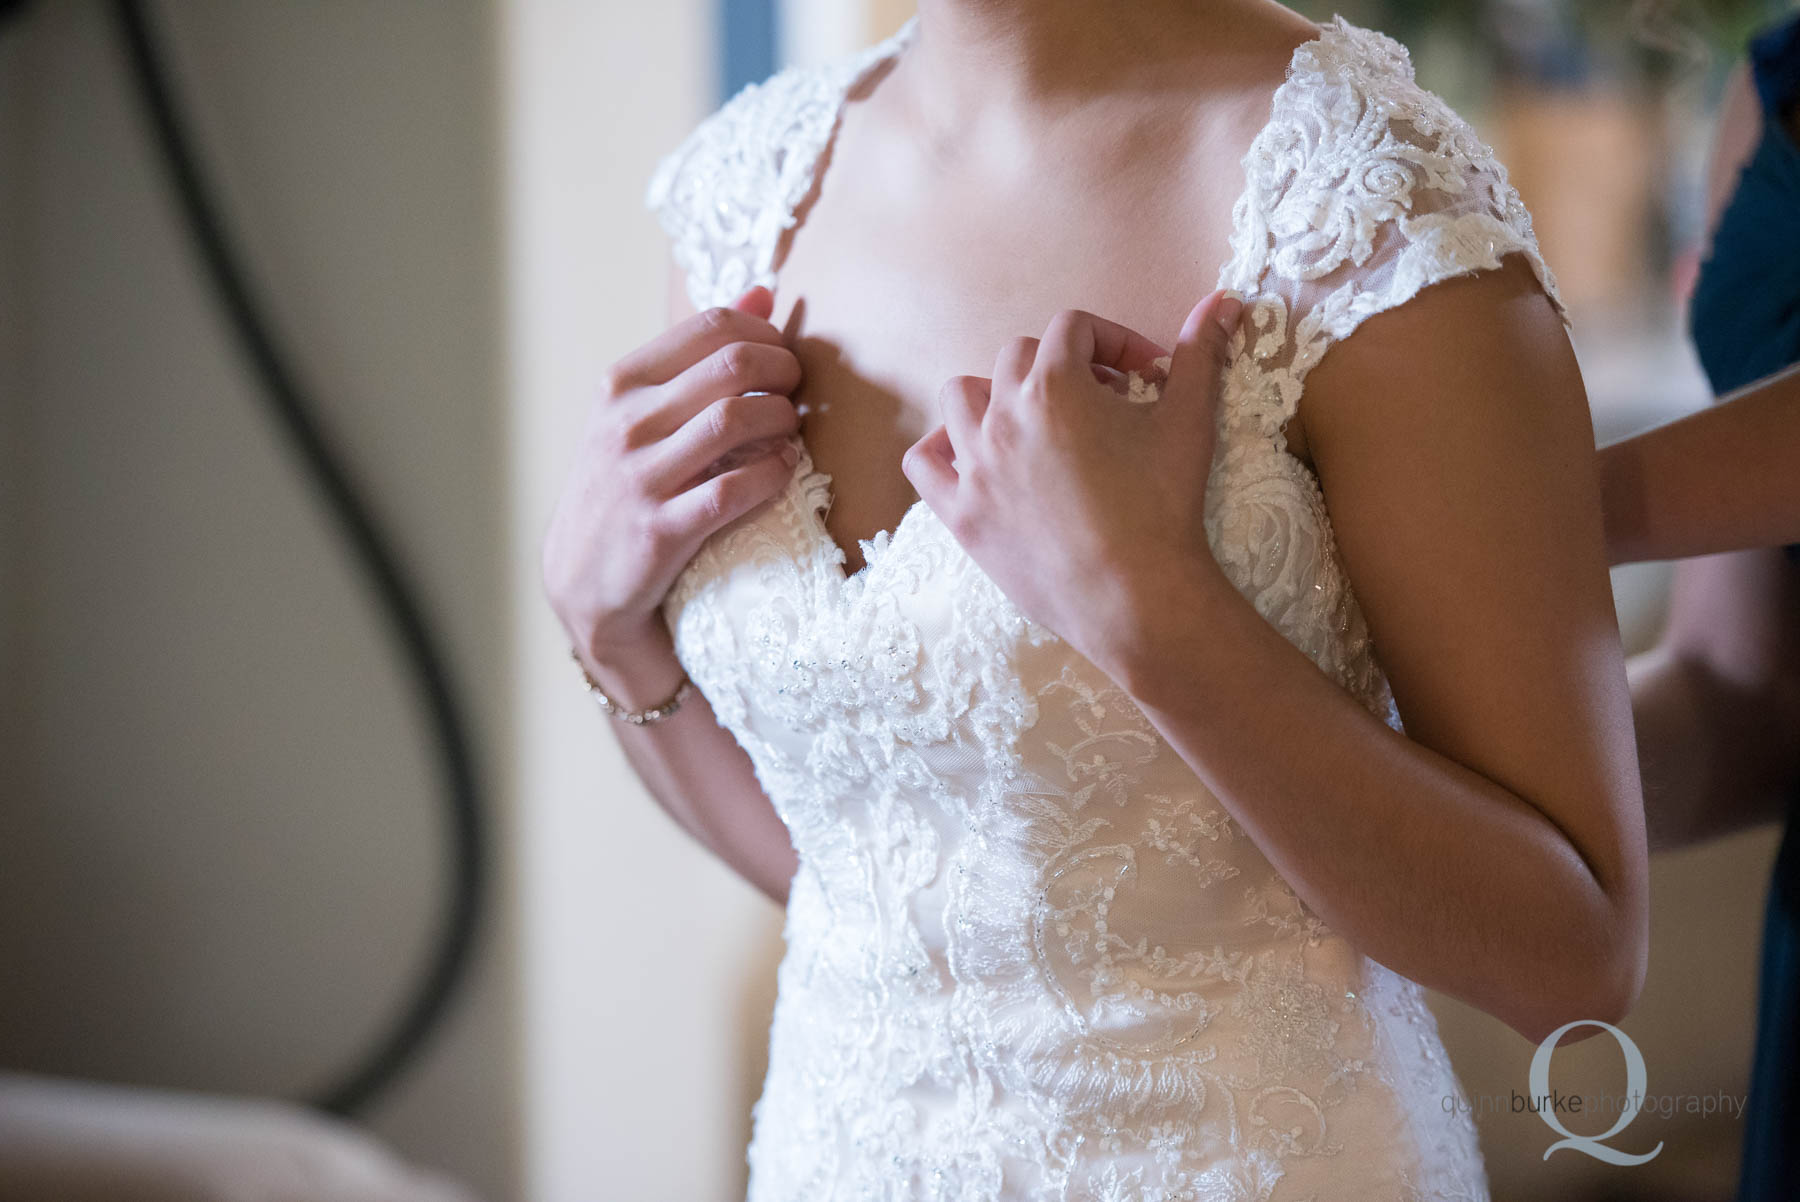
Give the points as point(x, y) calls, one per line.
point(790, 454)
point(1229, 311)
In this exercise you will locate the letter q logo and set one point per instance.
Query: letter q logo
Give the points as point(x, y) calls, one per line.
point(1593, 1145)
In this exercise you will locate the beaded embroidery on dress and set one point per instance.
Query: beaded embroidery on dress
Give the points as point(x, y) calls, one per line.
point(1029, 955)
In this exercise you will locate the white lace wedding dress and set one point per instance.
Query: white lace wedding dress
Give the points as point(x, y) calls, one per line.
point(1029, 956)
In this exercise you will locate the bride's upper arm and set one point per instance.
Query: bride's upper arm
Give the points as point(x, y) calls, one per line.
point(1454, 445)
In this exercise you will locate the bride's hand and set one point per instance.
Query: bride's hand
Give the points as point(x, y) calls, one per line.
point(1060, 487)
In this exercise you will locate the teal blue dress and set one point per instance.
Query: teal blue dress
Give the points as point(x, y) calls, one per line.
point(1746, 325)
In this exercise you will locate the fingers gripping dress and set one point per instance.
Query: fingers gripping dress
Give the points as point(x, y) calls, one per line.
point(1028, 955)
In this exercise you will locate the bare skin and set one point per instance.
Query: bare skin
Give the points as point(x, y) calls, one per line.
point(1498, 852)
point(1719, 480)
point(946, 151)
point(1717, 700)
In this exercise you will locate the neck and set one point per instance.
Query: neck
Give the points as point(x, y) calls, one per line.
point(1032, 50)
point(980, 70)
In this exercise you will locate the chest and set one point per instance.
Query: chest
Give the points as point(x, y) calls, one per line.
point(898, 277)
point(910, 290)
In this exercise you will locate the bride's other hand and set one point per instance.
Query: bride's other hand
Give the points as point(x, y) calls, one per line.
point(691, 431)
point(1056, 484)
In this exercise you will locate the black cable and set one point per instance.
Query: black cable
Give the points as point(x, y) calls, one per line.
point(373, 551)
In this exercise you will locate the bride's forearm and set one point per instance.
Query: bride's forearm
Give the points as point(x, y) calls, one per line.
point(1426, 866)
point(697, 772)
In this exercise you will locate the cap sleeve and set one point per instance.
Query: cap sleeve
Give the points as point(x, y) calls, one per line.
point(728, 190)
point(727, 193)
point(1363, 190)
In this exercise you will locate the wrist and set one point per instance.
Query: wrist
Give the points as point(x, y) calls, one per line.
point(634, 673)
point(1622, 502)
point(1152, 613)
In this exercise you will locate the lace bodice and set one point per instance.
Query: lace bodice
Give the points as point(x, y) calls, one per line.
point(1029, 955)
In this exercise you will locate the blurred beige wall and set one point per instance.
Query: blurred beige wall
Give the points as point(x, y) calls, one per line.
point(885, 16)
point(220, 843)
point(646, 962)
point(221, 849)
point(13, 454)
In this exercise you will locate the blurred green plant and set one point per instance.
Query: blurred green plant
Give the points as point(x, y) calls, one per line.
point(1657, 36)
point(1668, 37)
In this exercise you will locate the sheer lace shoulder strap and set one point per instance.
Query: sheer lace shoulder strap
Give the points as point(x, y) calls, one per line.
point(728, 190)
point(1363, 189)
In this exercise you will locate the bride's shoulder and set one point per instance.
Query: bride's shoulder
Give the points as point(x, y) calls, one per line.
point(1351, 96)
point(1361, 170)
point(1362, 191)
point(725, 191)
point(1351, 131)
point(741, 139)
point(1364, 72)
point(711, 191)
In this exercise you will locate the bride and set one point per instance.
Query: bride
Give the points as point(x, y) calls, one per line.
point(1132, 711)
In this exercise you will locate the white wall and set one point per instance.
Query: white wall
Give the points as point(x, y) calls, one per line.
point(220, 838)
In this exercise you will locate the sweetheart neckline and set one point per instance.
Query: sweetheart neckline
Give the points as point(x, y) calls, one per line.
point(827, 551)
point(830, 553)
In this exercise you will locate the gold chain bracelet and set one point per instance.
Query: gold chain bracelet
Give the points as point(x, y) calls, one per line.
point(643, 717)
